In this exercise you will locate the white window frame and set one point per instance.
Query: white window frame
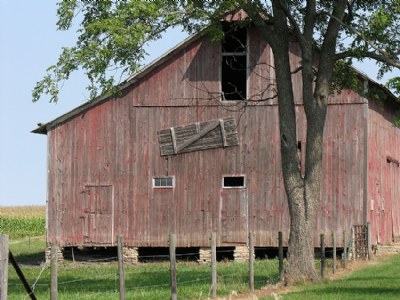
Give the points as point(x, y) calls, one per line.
point(234, 187)
point(163, 186)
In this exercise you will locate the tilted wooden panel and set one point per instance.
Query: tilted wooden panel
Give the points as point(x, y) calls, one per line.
point(198, 136)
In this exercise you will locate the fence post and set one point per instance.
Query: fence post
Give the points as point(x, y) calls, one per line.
point(344, 249)
point(251, 263)
point(369, 247)
point(213, 266)
point(334, 251)
point(280, 253)
point(53, 272)
point(121, 270)
point(352, 243)
point(172, 258)
point(322, 255)
point(3, 266)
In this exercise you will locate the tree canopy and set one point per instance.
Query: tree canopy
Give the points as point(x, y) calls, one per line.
point(112, 34)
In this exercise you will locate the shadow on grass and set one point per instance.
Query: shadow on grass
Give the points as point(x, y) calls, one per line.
point(33, 258)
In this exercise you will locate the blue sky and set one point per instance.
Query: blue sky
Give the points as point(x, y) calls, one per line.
point(29, 43)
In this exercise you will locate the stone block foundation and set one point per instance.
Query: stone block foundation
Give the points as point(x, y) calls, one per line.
point(60, 255)
point(241, 253)
point(204, 256)
point(131, 255)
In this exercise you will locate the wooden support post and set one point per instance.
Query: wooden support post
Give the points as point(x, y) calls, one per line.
point(53, 272)
point(251, 263)
point(352, 243)
point(121, 270)
point(322, 255)
point(21, 276)
point(213, 266)
point(344, 249)
point(73, 254)
point(3, 266)
point(172, 258)
point(280, 245)
point(334, 252)
point(369, 247)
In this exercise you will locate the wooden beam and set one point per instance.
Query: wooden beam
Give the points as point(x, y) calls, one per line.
point(21, 276)
point(173, 137)
point(194, 138)
point(223, 133)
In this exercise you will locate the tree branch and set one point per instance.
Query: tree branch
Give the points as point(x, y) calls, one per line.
point(328, 48)
point(302, 39)
point(368, 54)
point(360, 34)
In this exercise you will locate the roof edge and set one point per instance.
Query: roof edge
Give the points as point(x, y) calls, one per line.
point(43, 129)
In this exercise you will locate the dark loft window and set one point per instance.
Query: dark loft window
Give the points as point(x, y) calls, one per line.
point(163, 182)
point(233, 181)
point(234, 64)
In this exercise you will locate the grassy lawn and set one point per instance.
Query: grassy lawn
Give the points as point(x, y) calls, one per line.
point(99, 280)
point(378, 281)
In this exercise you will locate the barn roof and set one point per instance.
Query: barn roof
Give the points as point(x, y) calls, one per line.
point(44, 128)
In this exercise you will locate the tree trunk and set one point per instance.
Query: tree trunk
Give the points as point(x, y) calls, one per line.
point(303, 194)
point(301, 266)
point(304, 203)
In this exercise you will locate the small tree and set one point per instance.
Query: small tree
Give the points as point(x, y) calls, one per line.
point(334, 33)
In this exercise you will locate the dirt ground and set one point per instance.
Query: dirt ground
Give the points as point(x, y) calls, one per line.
point(278, 289)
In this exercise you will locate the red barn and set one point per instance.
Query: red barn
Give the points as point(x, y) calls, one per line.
point(192, 146)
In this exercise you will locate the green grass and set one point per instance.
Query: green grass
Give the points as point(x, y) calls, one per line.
point(379, 281)
point(144, 281)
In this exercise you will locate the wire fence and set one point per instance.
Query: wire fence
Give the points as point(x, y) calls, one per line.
point(97, 278)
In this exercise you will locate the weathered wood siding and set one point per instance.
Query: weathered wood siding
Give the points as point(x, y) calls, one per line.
point(112, 149)
point(383, 174)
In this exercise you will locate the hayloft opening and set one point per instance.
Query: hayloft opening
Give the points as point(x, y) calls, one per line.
point(234, 64)
point(233, 181)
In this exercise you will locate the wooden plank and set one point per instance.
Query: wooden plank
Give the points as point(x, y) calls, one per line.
point(21, 276)
point(221, 124)
point(173, 138)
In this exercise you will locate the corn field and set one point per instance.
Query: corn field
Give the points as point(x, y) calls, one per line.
point(22, 221)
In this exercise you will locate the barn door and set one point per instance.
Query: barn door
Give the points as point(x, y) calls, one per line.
point(234, 215)
point(98, 215)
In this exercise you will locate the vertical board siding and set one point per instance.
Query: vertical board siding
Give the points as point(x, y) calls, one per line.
point(383, 175)
point(145, 215)
point(115, 143)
